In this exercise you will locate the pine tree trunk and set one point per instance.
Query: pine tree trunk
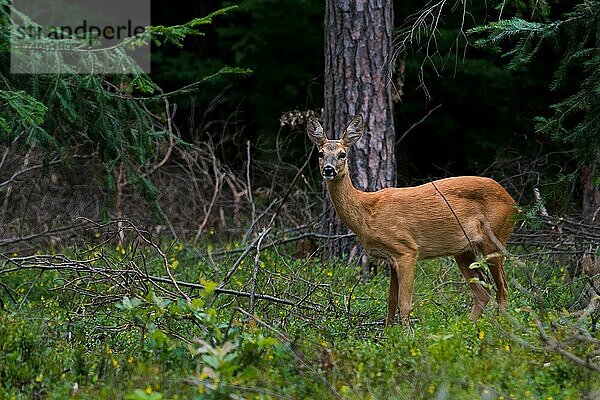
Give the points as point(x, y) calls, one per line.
point(358, 47)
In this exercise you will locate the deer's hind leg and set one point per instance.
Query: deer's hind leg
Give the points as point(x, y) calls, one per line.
point(496, 264)
point(481, 294)
point(495, 261)
point(494, 248)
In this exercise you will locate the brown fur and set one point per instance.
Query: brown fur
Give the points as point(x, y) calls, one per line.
point(463, 217)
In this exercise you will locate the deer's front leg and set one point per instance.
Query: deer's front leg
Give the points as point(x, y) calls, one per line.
point(405, 272)
point(392, 304)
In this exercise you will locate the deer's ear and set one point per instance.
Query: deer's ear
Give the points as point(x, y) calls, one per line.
point(354, 131)
point(315, 131)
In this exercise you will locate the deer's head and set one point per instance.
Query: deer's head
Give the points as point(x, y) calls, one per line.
point(333, 160)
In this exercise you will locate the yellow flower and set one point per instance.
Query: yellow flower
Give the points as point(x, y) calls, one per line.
point(431, 389)
point(39, 378)
point(149, 390)
point(481, 335)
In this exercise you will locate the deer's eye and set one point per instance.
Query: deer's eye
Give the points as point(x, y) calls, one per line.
point(321, 155)
point(341, 155)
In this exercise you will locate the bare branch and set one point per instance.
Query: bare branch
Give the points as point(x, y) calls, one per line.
point(25, 170)
point(262, 235)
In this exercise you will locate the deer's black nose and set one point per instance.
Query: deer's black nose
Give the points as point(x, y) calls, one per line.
point(329, 171)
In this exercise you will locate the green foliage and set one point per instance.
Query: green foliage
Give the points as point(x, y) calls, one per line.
point(27, 111)
point(176, 34)
point(147, 345)
point(118, 119)
point(139, 394)
point(530, 36)
point(574, 35)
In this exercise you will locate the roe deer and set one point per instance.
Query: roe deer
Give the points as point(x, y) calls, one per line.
point(464, 217)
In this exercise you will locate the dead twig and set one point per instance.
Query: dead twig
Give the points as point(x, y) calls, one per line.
point(47, 232)
point(556, 346)
point(26, 169)
point(170, 116)
point(219, 176)
point(262, 235)
point(249, 191)
point(419, 122)
point(311, 235)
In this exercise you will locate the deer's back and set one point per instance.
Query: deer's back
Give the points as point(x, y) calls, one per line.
point(438, 218)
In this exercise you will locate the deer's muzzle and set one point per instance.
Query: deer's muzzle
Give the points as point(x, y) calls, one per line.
point(329, 172)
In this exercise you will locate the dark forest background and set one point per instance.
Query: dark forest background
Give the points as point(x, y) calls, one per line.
point(215, 133)
point(467, 114)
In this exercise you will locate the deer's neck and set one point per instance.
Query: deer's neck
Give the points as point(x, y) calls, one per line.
point(348, 202)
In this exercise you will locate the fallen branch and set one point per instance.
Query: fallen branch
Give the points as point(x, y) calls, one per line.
point(280, 242)
point(124, 278)
point(555, 345)
point(14, 240)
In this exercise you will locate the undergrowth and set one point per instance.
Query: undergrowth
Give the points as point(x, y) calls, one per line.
point(65, 335)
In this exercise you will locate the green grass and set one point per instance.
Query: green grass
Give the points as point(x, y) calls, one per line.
point(65, 334)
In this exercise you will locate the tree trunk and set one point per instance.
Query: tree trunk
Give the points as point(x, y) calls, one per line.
point(358, 49)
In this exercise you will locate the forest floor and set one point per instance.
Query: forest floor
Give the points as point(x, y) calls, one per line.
point(181, 321)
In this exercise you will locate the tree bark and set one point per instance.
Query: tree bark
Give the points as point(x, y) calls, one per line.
point(358, 50)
